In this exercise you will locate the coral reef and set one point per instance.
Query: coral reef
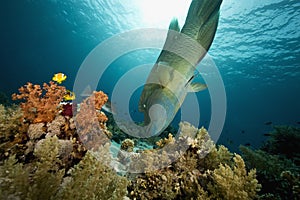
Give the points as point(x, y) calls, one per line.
point(41, 103)
point(12, 137)
point(193, 175)
point(4, 99)
point(127, 145)
point(54, 127)
point(270, 169)
point(43, 178)
point(277, 163)
point(90, 121)
point(9, 121)
point(285, 141)
point(51, 152)
point(92, 178)
point(43, 115)
point(35, 131)
point(233, 183)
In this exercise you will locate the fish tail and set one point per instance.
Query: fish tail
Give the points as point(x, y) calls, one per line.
point(202, 21)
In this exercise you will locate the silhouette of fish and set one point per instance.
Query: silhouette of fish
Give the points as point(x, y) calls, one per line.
point(267, 134)
point(268, 123)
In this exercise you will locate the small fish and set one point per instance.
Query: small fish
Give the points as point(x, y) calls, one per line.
point(69, 96)
point(267, 134)
point(229, 141)
point(247, 144)
point(59, 77)
point(298, 122)
point(242, 131)
point(268, 123)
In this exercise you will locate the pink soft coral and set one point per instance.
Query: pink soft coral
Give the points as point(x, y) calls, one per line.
point(41, 104)
point(90, 121)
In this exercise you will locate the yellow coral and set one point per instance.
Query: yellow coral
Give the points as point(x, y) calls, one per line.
point(127, 145)
point(164, 141)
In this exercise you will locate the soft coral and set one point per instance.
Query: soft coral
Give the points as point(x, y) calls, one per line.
point(41, 103)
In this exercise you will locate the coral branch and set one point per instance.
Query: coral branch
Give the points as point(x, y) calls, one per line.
point(41, 103)
point(90, 121)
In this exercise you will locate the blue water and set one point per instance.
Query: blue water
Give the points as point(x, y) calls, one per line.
point(256, 49)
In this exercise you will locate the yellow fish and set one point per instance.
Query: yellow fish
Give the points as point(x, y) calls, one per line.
point(59, 77)
point(69, 96)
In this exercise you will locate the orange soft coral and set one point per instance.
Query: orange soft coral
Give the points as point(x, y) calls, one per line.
point(90, 121)
point(41, 104)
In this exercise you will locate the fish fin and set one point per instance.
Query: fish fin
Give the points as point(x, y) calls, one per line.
point(196, 73)
point(171, 37)
point(204, 16)
point(196, 87)
point(174, 25)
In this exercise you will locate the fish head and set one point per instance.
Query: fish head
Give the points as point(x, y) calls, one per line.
point(159, 106)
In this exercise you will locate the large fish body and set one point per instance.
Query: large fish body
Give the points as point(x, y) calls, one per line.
point(171, 77)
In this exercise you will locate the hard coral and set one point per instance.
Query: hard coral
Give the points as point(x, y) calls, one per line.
point(41, 103)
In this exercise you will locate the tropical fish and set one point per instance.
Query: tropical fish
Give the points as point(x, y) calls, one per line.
point(69, 96)
point(171, 77)
point(59, 77)
point(267, 134)
point(268, 123)
point(247, 144)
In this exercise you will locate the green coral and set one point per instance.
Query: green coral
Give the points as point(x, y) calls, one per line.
point(92, 178)
point(14, 180)
point(44, 178)
point(47, 176)
point(233, 183)
point(270, 171)
point(284, 140)
point(277, 163)
point(9, 121)
point(37, 180)
point(11, 136)
point(217, 156)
